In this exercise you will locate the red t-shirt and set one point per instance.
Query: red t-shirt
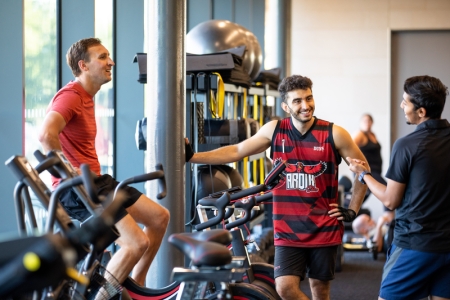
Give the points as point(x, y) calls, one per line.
point(76, 106)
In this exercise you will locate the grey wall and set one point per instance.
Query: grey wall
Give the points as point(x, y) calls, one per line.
point(424, 52)
point(11, 103)
point(129, 93)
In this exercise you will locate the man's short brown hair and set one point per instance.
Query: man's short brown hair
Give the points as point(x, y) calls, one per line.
point(79, 51)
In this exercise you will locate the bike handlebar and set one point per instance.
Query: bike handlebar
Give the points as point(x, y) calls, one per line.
point(159, 174)
point(89, 184)
point(246, 205)
point(220, 203)
point(46, 164)
point(43, 261)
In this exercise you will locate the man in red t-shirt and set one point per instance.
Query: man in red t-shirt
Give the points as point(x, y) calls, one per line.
point(70, 126)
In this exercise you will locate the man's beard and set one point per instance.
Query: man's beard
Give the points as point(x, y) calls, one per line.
point(296, 116)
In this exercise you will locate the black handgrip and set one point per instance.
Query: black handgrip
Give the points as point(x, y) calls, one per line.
point(228, 212)
point(162, 183)
point(246, 205)
point(39, 155)
point(88, 182)
point(110, 213)
point(54, 200)
point(47, 164)
point(220, 204)
point(250, 191)
point(99, 230)
point(41, 158)
point(263, 197)
point(16, 278)
point(146, 177)
point(274, 173)
point(211, 222)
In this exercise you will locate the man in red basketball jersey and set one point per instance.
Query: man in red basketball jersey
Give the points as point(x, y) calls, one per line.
point(307, 218)
point(70, 126)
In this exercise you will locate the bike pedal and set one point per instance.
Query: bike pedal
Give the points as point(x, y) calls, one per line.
point(255, 245)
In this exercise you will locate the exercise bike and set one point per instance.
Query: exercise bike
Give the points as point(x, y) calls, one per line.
point(246, 201)
point(46, 264)
point(170, 292)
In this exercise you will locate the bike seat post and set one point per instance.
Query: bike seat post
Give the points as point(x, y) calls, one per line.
point(238, 245)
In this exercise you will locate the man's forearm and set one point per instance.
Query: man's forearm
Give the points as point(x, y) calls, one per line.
point(50, 143)
point(359, 192)
point(218, 156)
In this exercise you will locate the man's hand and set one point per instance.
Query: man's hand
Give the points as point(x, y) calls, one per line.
point(357, 166)
point(189, 152)
point(341, 213)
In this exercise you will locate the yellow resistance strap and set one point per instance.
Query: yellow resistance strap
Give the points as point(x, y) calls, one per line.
point(217, 102)
point(255, 117)
point(244, 104)
point(262, 170)
point(245, 160)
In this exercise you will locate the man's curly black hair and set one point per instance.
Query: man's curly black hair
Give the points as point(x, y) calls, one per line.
point(294, 82)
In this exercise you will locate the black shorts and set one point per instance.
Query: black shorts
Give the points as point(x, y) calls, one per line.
point(104, 184)
point(317, 263)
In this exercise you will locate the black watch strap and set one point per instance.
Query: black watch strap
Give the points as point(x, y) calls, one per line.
point(361, 176)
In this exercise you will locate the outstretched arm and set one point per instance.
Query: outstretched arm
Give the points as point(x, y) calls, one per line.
point(390, 195)
point(345, 145)
point(253, 145)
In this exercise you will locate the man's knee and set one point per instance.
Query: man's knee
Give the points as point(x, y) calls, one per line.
point(132, 238)
point(162, 218)
point(141, 245)
point(150, 213)
point(287, 286)
point(320, 289)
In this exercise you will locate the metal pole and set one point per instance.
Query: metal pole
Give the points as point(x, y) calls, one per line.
point(277, 37)
point(165, 111)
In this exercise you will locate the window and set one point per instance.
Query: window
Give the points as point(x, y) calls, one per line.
point(40, 68)
point(40, 80)
point(104, 100)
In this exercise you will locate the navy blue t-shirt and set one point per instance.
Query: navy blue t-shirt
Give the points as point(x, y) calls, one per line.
point(421, 160)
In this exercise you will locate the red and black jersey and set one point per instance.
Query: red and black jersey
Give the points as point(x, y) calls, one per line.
point(301, 204)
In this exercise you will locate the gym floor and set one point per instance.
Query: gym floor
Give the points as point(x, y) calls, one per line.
point(359, 279)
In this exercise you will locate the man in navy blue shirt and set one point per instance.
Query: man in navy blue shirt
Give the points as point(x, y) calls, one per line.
point(418, 263)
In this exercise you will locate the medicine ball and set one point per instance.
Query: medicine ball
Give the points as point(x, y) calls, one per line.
point(211, 179)
point(218, 35)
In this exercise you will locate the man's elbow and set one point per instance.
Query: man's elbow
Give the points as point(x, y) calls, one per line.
point(43, 137)
point(46, 139)
point(390, 204)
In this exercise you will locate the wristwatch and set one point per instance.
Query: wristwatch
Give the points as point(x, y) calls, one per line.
point(361, 176)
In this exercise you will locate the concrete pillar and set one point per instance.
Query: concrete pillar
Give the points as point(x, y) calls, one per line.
point(165, 112)
point(277, 45)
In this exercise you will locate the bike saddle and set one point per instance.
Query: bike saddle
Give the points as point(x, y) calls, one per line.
point(220, 236)
point(201, 253)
